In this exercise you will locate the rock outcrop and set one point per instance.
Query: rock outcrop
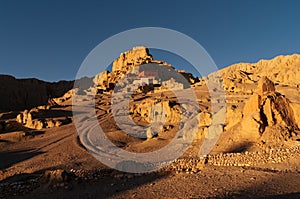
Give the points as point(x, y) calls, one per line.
point(153, 110)
point(233, 117)
point(29, 120)
point(265, 111)
point(137, 56)
point(60, 100)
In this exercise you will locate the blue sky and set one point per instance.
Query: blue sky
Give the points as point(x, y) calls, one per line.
point(50, 39)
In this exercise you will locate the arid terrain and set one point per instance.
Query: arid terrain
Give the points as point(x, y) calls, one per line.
point(254, 106)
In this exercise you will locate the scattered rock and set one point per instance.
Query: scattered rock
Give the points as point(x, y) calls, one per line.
point(58, 175)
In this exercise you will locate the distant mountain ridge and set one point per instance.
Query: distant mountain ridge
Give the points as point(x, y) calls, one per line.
point(20, 94)
point(282, 69)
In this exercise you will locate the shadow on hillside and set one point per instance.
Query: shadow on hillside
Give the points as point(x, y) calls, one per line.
point(239, 147)
point(108, 186)
point(9, 115)
point(9, 158)
point(273, 188)
point(12, 126)
point(105, 187)
point(245, 194)
point(5, 141)
point(42, 114)
point(282, 196)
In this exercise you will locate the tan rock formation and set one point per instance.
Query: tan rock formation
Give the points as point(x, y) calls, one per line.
point(24, 117)
point(296, 107)
point(60, 100)
point(233, 117)
point(252, 126)
point(252, 105)
point(29, 120)
point(137, 56)
point(267, 111)
point(265, 86)
point(35, 124)
point(151, 133)
point(205, 119)
point(101, 78)
point(152, 110)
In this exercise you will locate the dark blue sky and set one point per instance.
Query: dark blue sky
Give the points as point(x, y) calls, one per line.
point(50, 39)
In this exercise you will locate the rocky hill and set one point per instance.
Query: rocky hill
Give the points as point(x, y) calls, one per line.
point(133, 62)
